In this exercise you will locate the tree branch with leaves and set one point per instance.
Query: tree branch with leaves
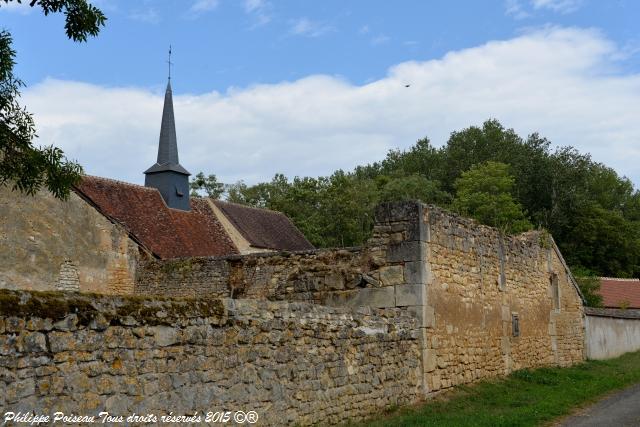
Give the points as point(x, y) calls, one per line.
point(25, 167)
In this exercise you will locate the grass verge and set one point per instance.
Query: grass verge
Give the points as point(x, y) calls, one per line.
point(524, 398)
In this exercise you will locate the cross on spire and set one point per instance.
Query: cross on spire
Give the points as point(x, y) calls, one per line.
point(169, 62)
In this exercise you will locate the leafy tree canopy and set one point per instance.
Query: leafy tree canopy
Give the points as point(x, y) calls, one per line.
point(589, 284)
point(484, 192)
point(206, 185)
point(25, 166)
point(488, 172)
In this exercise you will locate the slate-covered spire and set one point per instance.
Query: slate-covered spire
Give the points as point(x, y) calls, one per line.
point(168, 148)
point(167, 175)
point(168, 144)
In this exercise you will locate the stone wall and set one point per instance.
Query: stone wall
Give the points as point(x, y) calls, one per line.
point(478, 282)
point(294, 276)
point(335, 277)
point(292, 363)
point(611, 332)
point(360, 276)
point(49, 244)
point(465, 283)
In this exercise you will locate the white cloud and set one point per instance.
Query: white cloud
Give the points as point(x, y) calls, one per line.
point(309, 28)
point(518, 9)
point(149, 16)
point(560, 6)
point(380, 39)
point(201, 6)
point(254, 5)
point(556, 81)
point(260, 10)
point(514, 8)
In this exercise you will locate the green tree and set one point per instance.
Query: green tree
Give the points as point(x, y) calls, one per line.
point(347, 210)
point(593, 214)
point(411, 187)
point(484, 193)
point(206, 185)
point(589, 284)
point(27, 167)
point(604, 242)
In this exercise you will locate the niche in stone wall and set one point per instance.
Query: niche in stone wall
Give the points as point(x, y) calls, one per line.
point(555, 291)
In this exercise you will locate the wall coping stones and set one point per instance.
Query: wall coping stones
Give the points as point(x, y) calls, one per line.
point(612, 312)
point(319, 251)
point(70, 310)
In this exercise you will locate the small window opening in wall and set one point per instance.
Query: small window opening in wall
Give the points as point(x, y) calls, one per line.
point(515, 325)
point(555, 291)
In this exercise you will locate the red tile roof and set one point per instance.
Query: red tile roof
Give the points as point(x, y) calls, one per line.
point(618, 293)
point(168, 233)
point(264, 228)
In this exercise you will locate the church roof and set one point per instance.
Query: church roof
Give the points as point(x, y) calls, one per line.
point(264, 228)
point(168, 144)
point(168, 233)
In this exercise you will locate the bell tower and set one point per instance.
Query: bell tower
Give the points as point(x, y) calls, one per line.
point(167, 175)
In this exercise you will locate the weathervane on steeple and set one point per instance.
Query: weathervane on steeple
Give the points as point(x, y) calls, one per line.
point(169, 62)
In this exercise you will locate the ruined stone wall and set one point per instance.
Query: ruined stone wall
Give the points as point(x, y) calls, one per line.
point(477, 282)
point(324, 276)
point(292, 363)
point(371, 275)
point(464, 282)
point(49, 244)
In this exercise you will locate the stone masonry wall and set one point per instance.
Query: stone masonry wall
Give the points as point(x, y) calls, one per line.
point(366, 276)
point(292, 363)
point(478, 281)
point(324, 276)
point(49, 244)
point(465, 283)
point(298, 276)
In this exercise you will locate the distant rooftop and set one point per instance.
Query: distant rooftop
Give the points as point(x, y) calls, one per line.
point(264, 228)
point(174, 233)
point(617, 292)
point(168, 233)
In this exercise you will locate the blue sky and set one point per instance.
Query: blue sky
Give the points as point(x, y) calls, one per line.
point(305, 87)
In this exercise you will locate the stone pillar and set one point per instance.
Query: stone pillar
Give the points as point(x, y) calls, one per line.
point(407, 236)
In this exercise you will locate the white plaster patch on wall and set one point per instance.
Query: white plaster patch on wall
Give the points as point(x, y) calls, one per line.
point(68, 279)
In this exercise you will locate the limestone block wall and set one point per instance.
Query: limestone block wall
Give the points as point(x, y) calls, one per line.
point(342, 276)
point(611, 332)
point(292, 363)
point(466, 284)
point(49, 244)
point(479, 283)
point(359, 276)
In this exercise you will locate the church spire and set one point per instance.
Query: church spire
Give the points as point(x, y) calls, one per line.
point(167, 175)
point(168, 146)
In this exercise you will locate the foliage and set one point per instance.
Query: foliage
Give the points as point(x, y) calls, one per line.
point(28, 167)
point(592, 212)
point(589, 284)
point(525, 398)
point(411, 187)
point(484, 193)
point(209, 186)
